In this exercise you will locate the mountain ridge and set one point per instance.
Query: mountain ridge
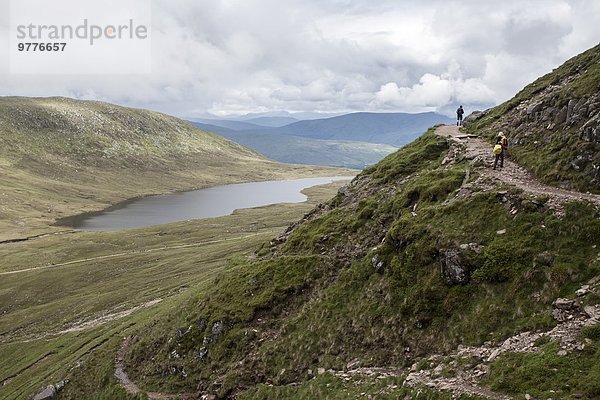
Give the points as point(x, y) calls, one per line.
point(301, 150)
point(395, 129)
point(352, 140)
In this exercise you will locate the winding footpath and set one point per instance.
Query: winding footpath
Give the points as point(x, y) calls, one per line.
point(512, 173)
point(131, 387)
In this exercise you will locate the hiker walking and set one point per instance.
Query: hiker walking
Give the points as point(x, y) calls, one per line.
point(500, 149)
point(459, 115)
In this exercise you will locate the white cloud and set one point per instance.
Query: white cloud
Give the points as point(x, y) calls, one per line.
point(342, 55)
point(435, 92)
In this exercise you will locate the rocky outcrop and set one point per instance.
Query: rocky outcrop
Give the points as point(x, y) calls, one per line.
point(565, 309)
point(453, 268)
point(50, 391)
point(550, 111)
point(377, 263)
point(559, 111)
point(461, 371)
point(474, 116)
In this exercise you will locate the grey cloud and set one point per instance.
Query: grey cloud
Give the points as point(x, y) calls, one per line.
point(343, 55)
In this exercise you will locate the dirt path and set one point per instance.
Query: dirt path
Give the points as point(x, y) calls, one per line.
point(131, 387)
point(512, 173)
point(129, 253)
point(85, 324)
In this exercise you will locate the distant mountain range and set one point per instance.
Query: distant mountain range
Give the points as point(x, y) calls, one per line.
point(351, 140)
point(297, 116)
point(395, 129)
point(299, 150)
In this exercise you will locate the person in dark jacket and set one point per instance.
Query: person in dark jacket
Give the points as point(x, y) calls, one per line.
point(459, 115)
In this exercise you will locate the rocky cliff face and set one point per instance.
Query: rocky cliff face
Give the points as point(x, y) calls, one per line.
point(554, 124)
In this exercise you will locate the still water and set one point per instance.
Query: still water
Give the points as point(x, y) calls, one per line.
point(203, 203)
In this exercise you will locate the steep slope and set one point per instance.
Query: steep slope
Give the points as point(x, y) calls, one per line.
point(60, 156)
point(395, 129)
point(420, 254)
point(554, 124)
point(300, 150)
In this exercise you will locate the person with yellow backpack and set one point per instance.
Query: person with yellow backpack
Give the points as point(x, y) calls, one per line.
point(500, 149)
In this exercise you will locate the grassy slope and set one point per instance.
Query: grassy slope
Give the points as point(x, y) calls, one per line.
point(35, 305)
point(60, 157)
point(549, 153)
point(316, 300)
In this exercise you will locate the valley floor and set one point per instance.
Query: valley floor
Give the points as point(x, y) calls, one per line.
point(65, 297)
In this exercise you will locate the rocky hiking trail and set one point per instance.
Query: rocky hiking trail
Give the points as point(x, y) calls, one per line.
point(512, 174)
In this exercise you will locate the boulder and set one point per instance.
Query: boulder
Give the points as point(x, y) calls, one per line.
point(534, 108)
point(181, 332)
point(565, 304)
point(202, 353)
point(565, 310)
point(201, 324)
point(593, 312)
point(377, 263)
point(590, 131)
point(474, 247)
point(47, 393)
point(217, 330)
point(548, 113)
point(583, 290)
point(561, 116)
point(570, 107)
point(452, 267)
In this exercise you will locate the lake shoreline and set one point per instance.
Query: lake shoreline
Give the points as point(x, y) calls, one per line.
point(77, 221)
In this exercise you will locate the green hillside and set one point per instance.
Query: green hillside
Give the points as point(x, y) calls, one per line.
point(60, 157)
point(358, 282)
point(554, 124)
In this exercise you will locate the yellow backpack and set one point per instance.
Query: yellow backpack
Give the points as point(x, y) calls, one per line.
point(497, 149)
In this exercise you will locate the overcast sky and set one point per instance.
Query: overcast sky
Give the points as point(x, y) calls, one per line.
point(239, 56)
